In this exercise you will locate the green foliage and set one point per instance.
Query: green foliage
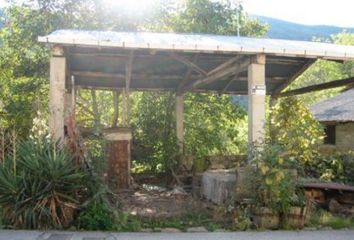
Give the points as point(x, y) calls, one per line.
point(294, 128)
point(217, 17)
point(96, 216)
point(323, 218)
point(325, 71)
point(181, 223)
point(40, 191)
point(214, 125)
point(336, 167)
point(273, 179)
point(153, 123)
point(242, 218)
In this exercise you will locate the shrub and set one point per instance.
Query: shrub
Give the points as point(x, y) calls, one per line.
point(96, 216)
point(39, 187)
point(338, 167)
point(275, 185)
point(294, 128)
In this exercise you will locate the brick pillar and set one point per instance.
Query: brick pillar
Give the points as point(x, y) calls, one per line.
point(118, 157)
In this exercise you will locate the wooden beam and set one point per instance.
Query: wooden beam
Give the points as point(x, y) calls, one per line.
point(318, 87)
point(121, 76)
point(296, 75)
point(188, 63)
point(150, 89)
point(187, 75)
point(240, 66)
point(229, 83)
point(185, 79)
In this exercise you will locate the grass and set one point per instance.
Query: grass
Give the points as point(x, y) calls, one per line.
point(133, 223)
point(322, 218)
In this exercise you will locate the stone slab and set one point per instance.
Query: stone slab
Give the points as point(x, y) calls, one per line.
point(218, 185)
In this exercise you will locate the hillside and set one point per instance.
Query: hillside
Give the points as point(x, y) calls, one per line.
point(294, 31)
point(1, 18)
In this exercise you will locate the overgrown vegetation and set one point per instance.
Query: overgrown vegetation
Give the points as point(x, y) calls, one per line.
point(295, 129)
point(24, 70)
point(40, 187)
point(322, 218)
point(336, 167)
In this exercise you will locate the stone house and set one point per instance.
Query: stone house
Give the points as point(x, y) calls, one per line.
point(337, 116)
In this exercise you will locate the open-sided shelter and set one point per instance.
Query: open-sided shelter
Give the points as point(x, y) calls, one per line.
point(140, 61)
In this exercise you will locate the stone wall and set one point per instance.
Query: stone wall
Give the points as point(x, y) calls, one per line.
point(345, 136)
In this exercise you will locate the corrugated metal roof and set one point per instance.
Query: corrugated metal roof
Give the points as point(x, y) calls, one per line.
point(336, 109)
point(200, 43)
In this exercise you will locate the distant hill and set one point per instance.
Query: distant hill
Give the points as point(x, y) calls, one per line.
point(294, 31)
point(1, 18)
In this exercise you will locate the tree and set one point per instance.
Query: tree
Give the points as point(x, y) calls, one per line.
point(324, 71)
point(295, 129)
point(206, 16)
point(24, 72)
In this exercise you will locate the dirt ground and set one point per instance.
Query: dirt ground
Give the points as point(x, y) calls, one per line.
point(155, 202)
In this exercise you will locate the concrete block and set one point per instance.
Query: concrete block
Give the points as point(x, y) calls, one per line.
point(218, 185)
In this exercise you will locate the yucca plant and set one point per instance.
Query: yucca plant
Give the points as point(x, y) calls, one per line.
point(43, 191)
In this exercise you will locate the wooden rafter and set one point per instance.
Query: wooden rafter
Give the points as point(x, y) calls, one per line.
point(229, 83)
point(318, 87)
point(187, 75)
point(230, 67)
point(188, 63)
point(297, 74)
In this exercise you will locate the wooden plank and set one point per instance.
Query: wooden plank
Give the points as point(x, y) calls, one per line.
point(317, 87)
point(295, 76)
point(188, 63)
point(233, 69)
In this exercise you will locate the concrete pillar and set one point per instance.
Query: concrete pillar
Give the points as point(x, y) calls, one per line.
point(180, 122)
point(119, 157)
point(125, 108)
point(57, 93)
point(256, 100)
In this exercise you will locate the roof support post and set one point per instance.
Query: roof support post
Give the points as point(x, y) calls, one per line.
point(180, 123)
point(126, 91)
point(256, 100)
point(57, 93)
point(70, 100)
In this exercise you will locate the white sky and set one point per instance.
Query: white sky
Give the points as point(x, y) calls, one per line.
point(311, 12)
